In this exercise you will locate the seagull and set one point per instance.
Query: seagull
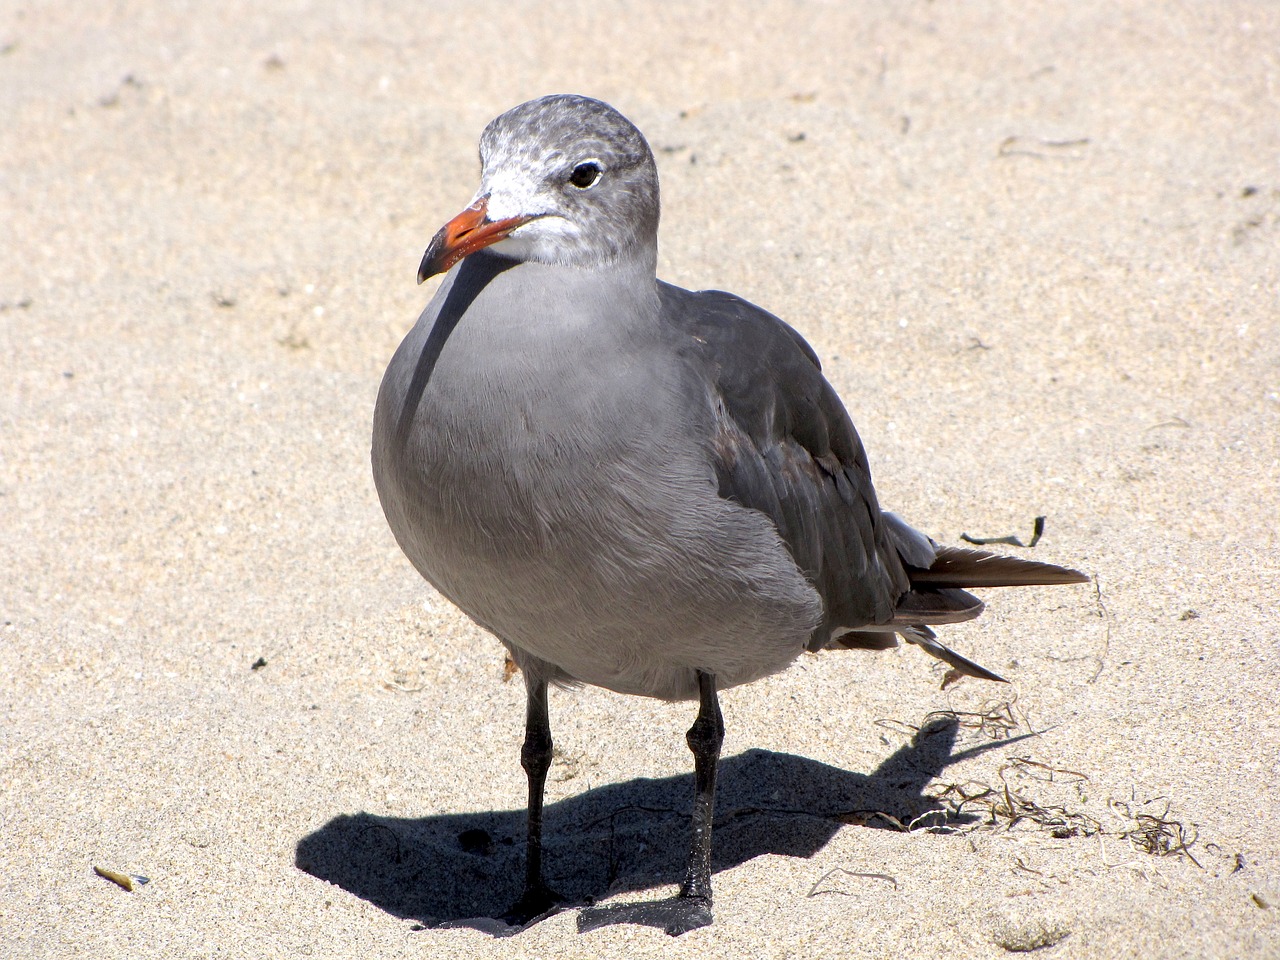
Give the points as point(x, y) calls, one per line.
point(632, 485)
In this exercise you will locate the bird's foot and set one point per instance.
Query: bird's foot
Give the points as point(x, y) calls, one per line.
point(673, 916)
point(536, 903)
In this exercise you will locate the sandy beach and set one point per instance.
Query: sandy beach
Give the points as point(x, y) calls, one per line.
point(1037, 248)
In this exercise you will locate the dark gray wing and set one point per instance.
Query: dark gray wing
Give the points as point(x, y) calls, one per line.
point(784, 445)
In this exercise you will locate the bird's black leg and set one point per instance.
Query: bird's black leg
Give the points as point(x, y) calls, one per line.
point(537, 900)
point(691, 908)
point(704, 739)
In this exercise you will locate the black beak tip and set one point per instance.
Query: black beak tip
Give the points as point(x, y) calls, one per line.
point(427, 268)
point(436, 259)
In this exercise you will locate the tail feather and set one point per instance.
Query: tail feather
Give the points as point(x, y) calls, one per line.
point(931, 565)
point(924, 637)
point(937, 576)
point(962, 567)
point(941, 605)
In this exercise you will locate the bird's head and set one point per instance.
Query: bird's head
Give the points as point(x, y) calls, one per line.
point(564, 179)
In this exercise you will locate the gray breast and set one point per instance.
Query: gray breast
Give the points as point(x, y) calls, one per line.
point(543, 468)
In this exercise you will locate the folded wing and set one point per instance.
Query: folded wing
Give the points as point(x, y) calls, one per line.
point(784, 445)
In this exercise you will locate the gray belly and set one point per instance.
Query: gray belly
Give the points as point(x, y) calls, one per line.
point(582, 526)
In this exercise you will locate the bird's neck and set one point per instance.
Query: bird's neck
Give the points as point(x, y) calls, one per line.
point(635, 260)
point(541, 298)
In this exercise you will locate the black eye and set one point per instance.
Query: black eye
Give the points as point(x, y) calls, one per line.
point(586, 174)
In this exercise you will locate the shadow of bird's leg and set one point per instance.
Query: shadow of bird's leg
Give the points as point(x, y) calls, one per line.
point(538, 900)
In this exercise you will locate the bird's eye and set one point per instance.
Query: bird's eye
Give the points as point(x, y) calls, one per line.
point(586, 175)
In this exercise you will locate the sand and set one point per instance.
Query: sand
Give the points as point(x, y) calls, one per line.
point(1038, 248)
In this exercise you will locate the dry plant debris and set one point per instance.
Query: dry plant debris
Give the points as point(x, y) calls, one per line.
point(993, 720)
point(1015, 801)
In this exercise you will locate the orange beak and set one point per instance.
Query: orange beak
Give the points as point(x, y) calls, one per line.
point(469, 231)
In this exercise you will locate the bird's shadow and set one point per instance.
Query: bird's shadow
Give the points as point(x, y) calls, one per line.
point(466, 869)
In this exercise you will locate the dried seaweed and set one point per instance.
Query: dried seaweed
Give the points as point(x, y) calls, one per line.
point(1037, 531)
point(994, 720)
point(974, 804)
point(1008, 806)
point(1043, 149)
point(814, 891)
point(1157, 834)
